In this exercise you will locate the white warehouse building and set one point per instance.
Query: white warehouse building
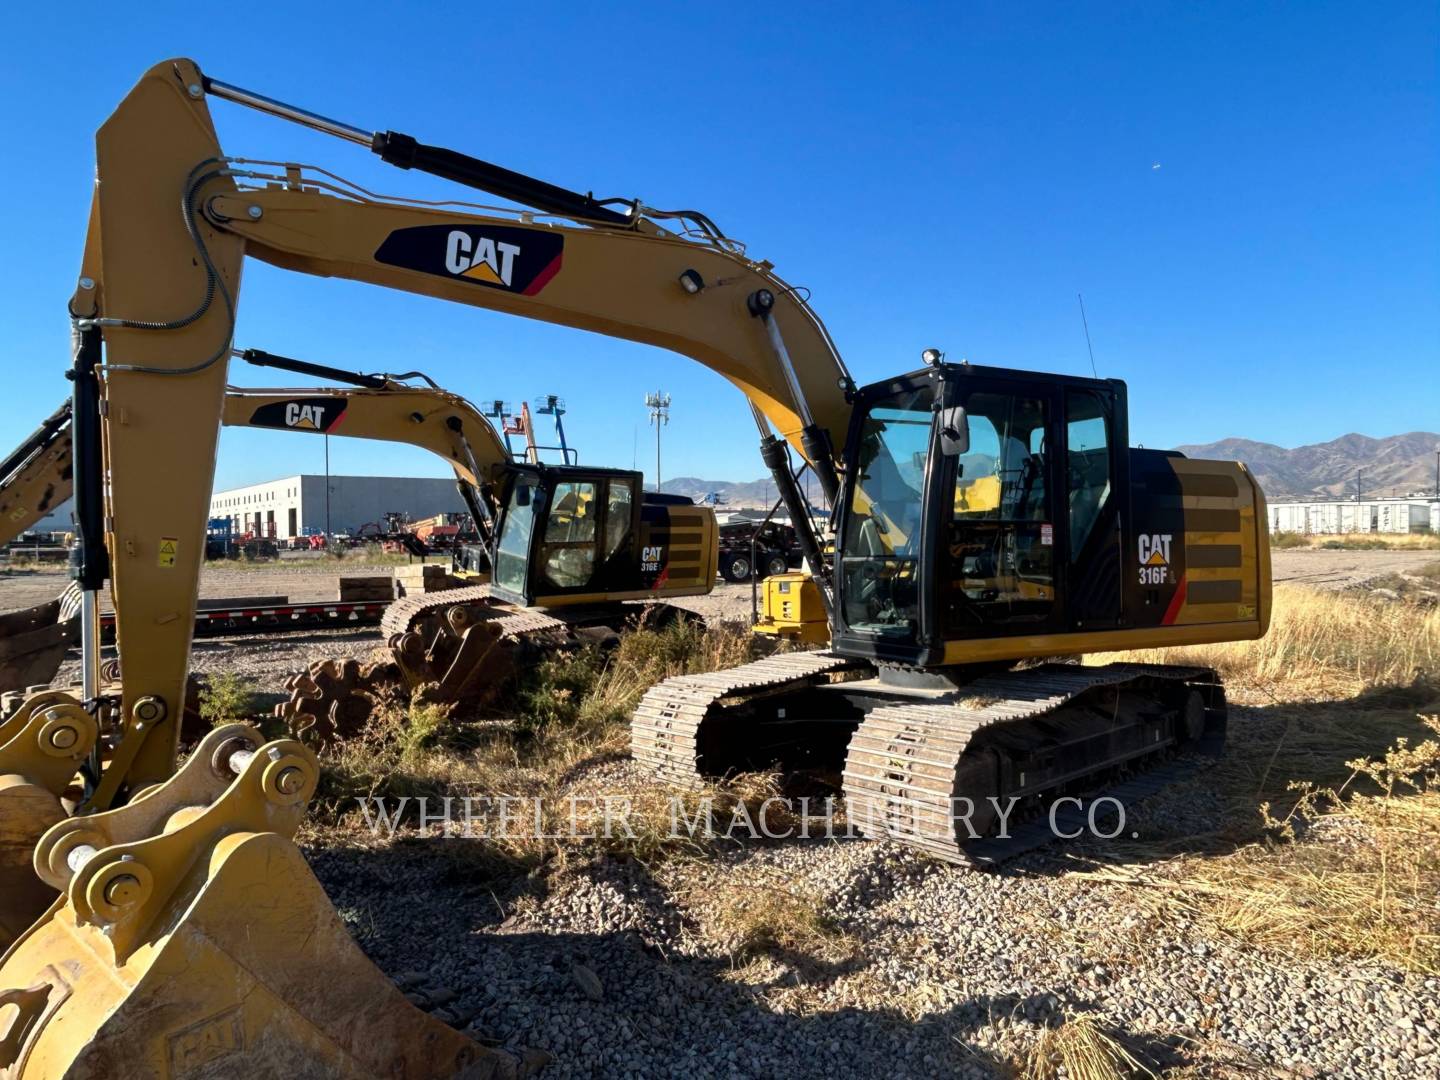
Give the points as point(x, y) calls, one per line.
point(1412, 515)
point(295, 505)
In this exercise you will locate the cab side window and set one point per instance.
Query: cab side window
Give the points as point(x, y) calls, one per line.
point(617, 517)
point(1087, 464)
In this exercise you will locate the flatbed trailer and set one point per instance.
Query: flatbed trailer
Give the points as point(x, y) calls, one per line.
point(274, 618)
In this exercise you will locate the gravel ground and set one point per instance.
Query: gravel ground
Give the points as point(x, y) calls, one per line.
point(1341, 569)
point(955, 972)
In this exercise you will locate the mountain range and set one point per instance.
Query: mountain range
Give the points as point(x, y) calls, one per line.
point(1397, 464)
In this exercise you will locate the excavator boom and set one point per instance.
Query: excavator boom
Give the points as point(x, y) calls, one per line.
point(161, 283)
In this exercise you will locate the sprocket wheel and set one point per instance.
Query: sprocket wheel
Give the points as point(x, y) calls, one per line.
point(332, 701)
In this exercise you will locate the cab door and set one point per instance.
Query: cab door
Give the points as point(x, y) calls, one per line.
point(1000, 570)
point(589, 541)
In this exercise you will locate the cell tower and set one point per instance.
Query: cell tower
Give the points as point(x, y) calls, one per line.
point(659, 405)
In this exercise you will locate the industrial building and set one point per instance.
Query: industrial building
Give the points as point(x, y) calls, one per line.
point(297, 506)
point(1408, 515)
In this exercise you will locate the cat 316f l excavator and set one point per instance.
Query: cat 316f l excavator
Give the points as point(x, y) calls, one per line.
point(983, 517)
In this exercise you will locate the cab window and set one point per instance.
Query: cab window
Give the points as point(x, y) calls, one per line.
point(1002, 477)
point(617, 516)
point(1087, 465)
point(883, 519)
point(999, 564)
point(567, 554)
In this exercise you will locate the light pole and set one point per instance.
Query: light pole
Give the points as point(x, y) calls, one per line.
point(327, 487)
point(659, 405)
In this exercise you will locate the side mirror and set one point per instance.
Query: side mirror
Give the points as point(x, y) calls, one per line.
point(954, 431)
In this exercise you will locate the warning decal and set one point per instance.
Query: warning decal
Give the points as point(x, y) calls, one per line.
point(168, 544)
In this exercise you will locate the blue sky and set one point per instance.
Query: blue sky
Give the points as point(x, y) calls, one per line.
point(948, 174)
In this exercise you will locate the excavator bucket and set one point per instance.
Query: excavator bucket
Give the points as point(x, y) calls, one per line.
point(333, 700)
point(33, 642)
point(41, 747)
point(190, 940)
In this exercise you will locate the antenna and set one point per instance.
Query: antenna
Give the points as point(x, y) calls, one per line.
point(1086, 323)
point(659, 405)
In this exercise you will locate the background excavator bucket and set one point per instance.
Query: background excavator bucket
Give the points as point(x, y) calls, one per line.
point(33, 642)
point(192, 941)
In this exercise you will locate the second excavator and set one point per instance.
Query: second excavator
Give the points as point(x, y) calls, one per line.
point(568, 554)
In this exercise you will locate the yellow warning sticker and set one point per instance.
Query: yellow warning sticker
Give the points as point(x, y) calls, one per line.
point(168, 544)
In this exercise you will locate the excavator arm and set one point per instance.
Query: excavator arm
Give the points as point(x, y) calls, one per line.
point(35, 476)
point(171, 222)
point(435, 420)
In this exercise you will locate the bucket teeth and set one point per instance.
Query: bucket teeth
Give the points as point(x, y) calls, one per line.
point(333, 700)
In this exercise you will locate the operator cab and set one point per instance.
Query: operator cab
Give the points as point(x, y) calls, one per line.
point(1011, 479)
point(566, 532)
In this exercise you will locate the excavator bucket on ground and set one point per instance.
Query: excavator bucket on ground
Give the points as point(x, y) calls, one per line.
point(35, 478)
point(190, 940)
point(33, 642)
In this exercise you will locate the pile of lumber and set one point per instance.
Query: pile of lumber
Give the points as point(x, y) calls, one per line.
point(355, 588)
point(422, 578)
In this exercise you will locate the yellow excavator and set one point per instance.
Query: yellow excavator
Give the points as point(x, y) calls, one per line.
point(984, 519)
point(568, 554)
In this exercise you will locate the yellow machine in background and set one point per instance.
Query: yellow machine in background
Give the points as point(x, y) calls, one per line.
point(793, 610)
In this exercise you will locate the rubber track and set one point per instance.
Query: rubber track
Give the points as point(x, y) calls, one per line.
point(666, 723)
point(900, 768)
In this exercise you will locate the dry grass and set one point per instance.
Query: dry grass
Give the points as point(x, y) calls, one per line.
point(1319, 643)
point(1080, 1049)
point(1351, 871)
point(1352, 868)
point(1357, 541)
point(767, 914)
point(567, 717)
